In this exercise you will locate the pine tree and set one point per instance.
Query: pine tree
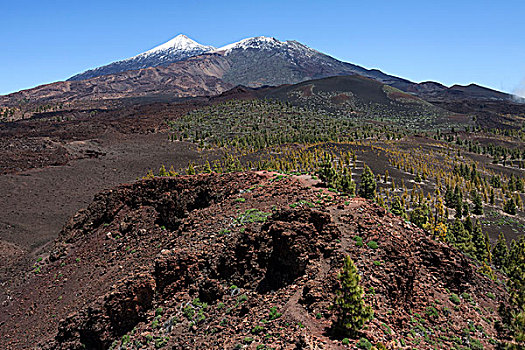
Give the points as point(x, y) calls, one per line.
point(327, 173)
point(345, 182)
point(478, 204)
point(461, 237)
point(510, 206)
point(459, 207)
point(513, 314)
point(420, 215)
point(487, 248)
point(162, 171)
point(500, 252)
point(468, 224)
point(207, 168)
point(480, 246)
point(191, 169)
point(367, 187)
point(352, 313)
point(397, 207)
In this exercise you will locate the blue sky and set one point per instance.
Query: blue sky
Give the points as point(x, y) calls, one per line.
point(446, 41)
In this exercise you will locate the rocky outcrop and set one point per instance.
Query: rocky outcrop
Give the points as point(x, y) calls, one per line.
point(221, 261)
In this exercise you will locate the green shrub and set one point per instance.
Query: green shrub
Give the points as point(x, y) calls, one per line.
point(466, 296)
point(159, 311)
point(188, 312)
point(363, 343)
point(455, 299)
point(251, 216)
point(273, 315)
point(161, 342)
point(431, 311)
point(372, 245)
point(358, 241)
point(257, 329)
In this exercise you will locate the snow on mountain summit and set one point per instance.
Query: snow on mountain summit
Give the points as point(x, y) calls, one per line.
point(180, 43)
point(264, 43)
point(181, 48)
point(177, 49)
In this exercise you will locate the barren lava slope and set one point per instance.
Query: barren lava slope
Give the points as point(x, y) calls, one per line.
point(241, 260)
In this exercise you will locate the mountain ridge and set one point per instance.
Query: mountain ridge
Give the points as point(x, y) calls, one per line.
point(251, 62)
point(177, 49)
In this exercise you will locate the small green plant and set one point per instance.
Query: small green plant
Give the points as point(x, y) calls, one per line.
point(240, 200)
point(251, 216)
point(432, 312)
point(274, 314)
point(364, 343)
point(257, 329)
point(388, 330)
point(188, 312)
point(198, 303)
point(455, 299)
point(466, 296)
point(224, 231)
point(345, 341)
point(358, 241)
point(156, 322)
point(372, 245)
point(160, 342)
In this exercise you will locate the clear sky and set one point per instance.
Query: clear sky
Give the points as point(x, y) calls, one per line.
point(459, 41)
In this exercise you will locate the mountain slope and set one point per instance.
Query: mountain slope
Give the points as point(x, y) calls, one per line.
point(262, 61)
point(177, 49)
point(196, 76)
point(252, 62)
point(201, 262)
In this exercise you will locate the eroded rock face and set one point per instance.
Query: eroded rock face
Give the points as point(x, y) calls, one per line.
point(167, 261)
point(297, 238)
point(119, 311)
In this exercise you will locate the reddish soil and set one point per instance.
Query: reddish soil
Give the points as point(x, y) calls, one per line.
point(37, 202)
point(127, 271)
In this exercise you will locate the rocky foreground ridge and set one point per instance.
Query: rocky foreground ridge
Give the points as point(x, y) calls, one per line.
point(243, 260)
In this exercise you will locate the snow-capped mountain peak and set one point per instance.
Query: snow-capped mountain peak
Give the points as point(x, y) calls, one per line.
point(177, 49)
point(180, 43)
point(258, 42)
point(265, 43)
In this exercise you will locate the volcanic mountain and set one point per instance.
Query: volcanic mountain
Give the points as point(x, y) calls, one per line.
point(177, 49)
point(253, 62)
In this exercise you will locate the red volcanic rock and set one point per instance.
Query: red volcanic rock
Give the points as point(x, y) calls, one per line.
point(183, 263)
